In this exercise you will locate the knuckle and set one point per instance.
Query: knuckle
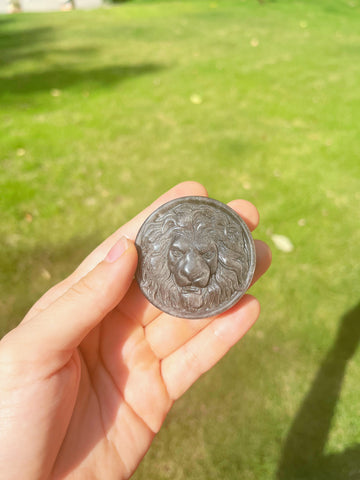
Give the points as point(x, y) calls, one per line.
point(192, 361)
point(85, 286)
point(92, 289)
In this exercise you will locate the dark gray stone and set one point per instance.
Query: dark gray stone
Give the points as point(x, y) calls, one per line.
point(196, 257)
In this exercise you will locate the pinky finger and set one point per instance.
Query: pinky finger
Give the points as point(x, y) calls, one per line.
point(184, 366)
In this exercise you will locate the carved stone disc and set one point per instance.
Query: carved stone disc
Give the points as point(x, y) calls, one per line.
point(196, 257)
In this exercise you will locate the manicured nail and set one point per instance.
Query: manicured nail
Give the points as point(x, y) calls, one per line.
point(117, 250)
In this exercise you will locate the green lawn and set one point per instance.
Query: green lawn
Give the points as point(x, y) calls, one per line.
point(102, 111)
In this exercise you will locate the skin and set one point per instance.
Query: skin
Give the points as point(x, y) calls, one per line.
point(88, 376)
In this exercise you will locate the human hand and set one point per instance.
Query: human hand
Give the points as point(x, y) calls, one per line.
point(88, 376)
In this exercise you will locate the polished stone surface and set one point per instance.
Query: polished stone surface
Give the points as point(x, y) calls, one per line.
point(196, 257)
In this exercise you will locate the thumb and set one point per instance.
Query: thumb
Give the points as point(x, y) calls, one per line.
point(65, 323)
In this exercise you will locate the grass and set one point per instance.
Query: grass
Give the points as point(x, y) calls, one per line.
point(102, 111)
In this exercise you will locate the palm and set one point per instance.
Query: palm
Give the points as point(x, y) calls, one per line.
point(123, 396)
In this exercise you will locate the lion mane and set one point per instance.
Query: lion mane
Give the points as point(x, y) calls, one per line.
point(233, 262)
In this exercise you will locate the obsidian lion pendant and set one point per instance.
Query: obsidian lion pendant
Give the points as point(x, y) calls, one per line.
point(196, 257)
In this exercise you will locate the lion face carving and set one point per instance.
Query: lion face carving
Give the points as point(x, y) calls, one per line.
point(192, 262)
point(192, 259)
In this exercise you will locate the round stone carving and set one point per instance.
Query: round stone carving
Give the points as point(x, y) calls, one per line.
point(196, 257)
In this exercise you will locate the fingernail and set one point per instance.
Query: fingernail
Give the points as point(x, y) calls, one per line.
point(117, 250)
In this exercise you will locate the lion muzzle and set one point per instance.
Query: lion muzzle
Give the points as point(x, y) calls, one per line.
point(192, 270)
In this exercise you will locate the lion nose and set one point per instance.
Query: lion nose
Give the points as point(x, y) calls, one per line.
point(193, 269)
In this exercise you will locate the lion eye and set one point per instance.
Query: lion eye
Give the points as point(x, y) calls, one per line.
point(176, 253)
point(208, 255)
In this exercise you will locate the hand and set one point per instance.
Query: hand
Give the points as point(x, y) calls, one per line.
point(88, 376)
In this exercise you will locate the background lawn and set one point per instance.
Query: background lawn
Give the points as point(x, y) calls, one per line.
point(102, 111)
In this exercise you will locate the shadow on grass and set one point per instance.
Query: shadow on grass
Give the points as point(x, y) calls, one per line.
point(27, 275)
point(16, 45)
point(62, 78)
point(34, 45)
point(23, 44)
point(303, 455)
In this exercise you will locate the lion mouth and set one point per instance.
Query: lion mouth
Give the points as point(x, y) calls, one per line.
point(191, 290)
point(192, 299)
